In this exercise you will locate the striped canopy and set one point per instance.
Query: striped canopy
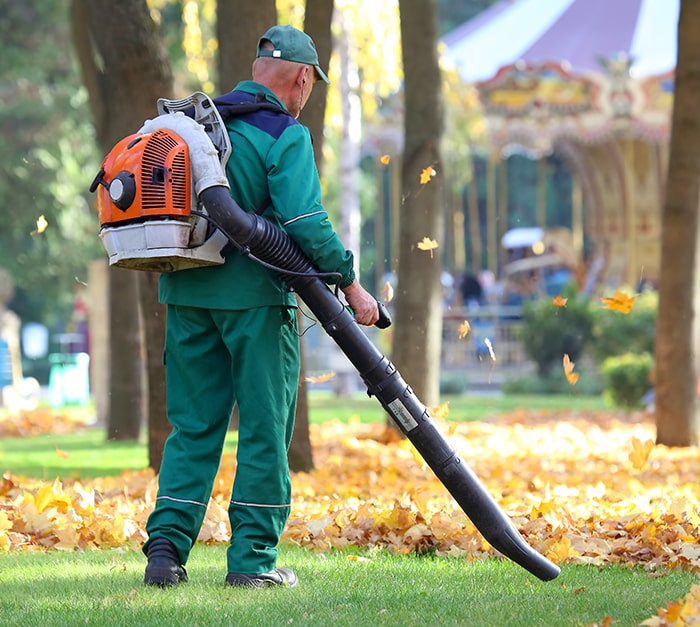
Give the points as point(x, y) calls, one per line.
point(576, 32)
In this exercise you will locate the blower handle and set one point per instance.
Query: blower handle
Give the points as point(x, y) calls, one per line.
point(384, 320)
point(384, 317)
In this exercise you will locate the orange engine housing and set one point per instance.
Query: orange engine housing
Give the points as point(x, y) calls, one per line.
point(153, 172)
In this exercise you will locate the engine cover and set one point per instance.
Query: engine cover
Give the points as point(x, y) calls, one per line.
point(145, 201)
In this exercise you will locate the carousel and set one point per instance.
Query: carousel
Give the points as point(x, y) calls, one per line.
point(591, 82)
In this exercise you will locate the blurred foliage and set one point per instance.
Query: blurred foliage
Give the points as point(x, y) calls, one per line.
point(47, 149)
point(47, 142)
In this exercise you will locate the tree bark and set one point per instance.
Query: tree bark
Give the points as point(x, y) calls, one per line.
point(239, 25)
point(349, 157)
point(125, 70)
point(317, 25)
point(418, 297)
point(153, 316)
point(300, 455)
point(678, 326)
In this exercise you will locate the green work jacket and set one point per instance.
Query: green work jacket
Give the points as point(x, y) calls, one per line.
point(271, 166)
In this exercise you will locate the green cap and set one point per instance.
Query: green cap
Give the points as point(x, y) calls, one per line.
point(291, 44)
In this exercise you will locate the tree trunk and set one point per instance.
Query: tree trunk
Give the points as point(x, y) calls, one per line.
point(349, 157)
point(153, 316)
point(300, 455)
point(318, 26)
point(677, 327)
point(125, 70)
point(239, 25)
point(418, 301)
point(125, 407)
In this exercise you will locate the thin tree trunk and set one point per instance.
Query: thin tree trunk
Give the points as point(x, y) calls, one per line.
point(349, 157)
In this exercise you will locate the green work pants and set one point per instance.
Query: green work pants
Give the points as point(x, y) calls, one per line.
point(213, 359)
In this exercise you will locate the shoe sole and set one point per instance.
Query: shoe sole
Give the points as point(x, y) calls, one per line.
point(163, 577)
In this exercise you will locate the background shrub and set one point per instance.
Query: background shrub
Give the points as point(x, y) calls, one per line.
point(615, 333)
point(549, 331)
point(626, 378)
point(590, 384)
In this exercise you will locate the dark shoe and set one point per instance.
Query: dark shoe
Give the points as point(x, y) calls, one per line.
point(276, 577)
point(164, 568)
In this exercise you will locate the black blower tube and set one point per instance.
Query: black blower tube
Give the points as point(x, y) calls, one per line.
point(267, 242)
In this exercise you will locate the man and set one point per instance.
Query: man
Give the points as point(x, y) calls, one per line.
point(231, 335)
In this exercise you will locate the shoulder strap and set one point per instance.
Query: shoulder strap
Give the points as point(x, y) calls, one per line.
point(241, 103)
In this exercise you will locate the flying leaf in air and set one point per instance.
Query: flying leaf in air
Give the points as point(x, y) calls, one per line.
point(463, 329)
point(426, 174)
point(489, 345)
point(41, 225)
point(388, 292)
point(322, 378)
point(428, 244)
point(619, 302)
point(640, 452)
point(571, 376)
point(441, 411)
point(559, 301)
point(385, 159)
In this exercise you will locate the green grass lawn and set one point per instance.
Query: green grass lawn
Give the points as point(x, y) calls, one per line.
point(324, 406)
point(86, 453)
point(105, 588)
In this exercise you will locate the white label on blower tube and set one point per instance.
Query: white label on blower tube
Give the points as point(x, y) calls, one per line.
point(402, 415)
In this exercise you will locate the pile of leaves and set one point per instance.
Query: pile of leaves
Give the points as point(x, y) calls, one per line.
point(587, 488)
point(26, 424)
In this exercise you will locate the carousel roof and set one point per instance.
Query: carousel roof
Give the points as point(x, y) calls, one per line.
point(577, 32)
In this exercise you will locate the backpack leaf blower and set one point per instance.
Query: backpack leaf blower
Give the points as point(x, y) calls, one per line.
point(159, 186)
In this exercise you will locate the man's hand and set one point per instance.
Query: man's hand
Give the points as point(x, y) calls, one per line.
point(362, 302)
